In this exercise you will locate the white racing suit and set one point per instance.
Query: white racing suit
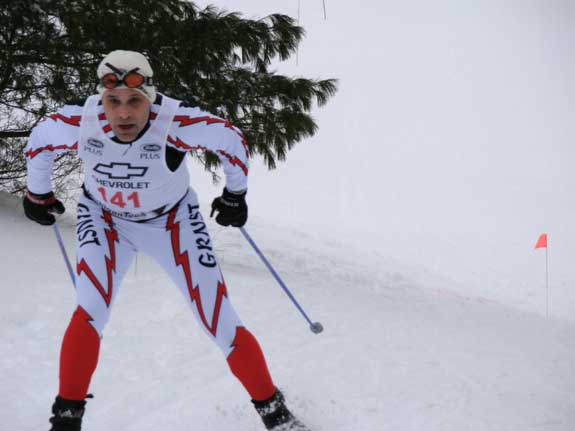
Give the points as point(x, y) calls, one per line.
point(136, 200)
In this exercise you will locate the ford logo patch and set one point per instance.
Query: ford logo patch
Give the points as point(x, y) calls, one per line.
point(95, 143)
point(152, 147)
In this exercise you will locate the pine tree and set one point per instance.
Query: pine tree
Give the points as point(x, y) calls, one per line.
point(213, 59)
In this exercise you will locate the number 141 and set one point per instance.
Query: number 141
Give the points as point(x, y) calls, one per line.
point(118, 198)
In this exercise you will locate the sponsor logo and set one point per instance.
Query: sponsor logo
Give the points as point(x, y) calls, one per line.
point(85, 229)
point(128, 215)
point(150, 152)
point(202, 238)
point(151, 147)
point(95, 143)
point(128, 185)
point(93, 146)
point(120, 171)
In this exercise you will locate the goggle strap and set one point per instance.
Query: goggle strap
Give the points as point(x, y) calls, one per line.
point(122, 73)
point(115, 69)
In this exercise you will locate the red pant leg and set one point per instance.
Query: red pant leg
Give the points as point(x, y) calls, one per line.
point(78, 357)
point(248, 364)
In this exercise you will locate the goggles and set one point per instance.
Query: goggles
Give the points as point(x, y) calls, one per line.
point(130, 79)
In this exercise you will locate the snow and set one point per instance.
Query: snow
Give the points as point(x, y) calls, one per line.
point(401, 349)
point(406, 226)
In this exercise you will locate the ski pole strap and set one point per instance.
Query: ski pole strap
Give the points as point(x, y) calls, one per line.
point(63, 251)
point(274, 273)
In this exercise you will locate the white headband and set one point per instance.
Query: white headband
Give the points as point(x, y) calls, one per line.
point(124, 61)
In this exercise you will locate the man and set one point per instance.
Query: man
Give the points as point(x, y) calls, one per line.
point(136, 197)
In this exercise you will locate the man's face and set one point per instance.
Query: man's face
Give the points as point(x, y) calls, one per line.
point(127, 111)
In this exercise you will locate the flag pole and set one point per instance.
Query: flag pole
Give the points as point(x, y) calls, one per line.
point(542, 243)
point(547, 278)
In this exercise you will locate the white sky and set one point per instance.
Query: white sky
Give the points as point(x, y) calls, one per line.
point(449, 143)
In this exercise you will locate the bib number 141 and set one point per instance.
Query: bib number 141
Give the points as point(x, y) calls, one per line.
point(118, 198)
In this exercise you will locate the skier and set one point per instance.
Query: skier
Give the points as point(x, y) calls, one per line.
point(136, 197)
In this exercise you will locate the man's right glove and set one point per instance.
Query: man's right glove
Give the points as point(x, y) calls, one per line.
point(40, 208)
point(231, 207)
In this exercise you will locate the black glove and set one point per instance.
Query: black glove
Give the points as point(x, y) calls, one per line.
point(40, 208)
point(231, 207)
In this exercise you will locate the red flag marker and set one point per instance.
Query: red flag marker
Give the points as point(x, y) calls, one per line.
point(542, 241)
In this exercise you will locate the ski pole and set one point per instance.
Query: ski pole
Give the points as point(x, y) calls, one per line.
point(315, 327)
point(63, 250)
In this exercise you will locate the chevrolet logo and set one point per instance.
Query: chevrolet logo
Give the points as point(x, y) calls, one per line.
point(120, 171)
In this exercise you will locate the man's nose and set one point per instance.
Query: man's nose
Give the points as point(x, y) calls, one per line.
point(124, 113)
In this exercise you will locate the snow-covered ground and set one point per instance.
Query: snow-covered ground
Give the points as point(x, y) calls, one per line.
point(401, 350)
point(406, 226)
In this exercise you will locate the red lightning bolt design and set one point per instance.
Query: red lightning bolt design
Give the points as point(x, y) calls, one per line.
point(234, 161)
point(178, 143)
point(106, 128)
point(112, 237)
point(182, 259)
point(195, 295)
point(74, 120)
point(184, 121)
point(33, 153)
point(244, 144)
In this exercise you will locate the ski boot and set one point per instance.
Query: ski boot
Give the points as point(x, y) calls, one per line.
point(276, 416)
point(67, 415)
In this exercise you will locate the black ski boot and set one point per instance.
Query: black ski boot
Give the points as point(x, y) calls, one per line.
point(67, 415)
point(276, 415)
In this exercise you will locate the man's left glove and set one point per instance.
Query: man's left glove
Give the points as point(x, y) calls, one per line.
point(231, 207)
point(40, 208)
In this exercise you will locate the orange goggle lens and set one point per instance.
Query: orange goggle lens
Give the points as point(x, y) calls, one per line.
point(130, 80)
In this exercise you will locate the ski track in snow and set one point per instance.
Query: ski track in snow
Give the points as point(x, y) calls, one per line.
point(401, 350)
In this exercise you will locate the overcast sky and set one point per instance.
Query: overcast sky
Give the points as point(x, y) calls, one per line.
point(449, 143)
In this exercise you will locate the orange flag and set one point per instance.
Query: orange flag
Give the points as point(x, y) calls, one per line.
point(542, 241)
